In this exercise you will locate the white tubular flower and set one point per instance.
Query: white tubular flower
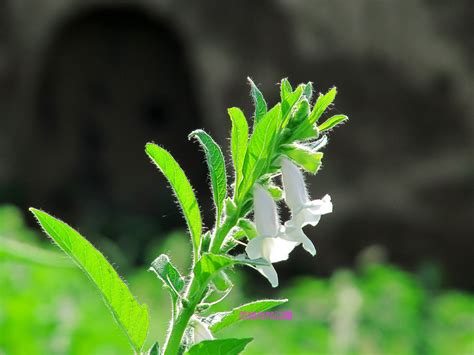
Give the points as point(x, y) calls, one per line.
point(269, 244)
point(303, 210)
point(201, 331)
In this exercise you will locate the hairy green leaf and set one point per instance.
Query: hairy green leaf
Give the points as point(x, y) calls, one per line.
point(301, 114)
point(219, 321)
point(221, 282)
point(248, 227)
point(260, 148)
point(285, 89)
point(205, 242)
point(304, 157)
point(288, 103)
point(182, 189)
point(129, 314)
point(332, 122)
point(229, 346)
point(168, 273)
point(239, 142)
point(259, 102)
point(304, 131)
point(321, 105)
point(206, 268)
point(230, 207)
point(318, 144)
point(216, 165)
point(154, 350)
point(230, 243)
point(308, 91)
point(276, 192)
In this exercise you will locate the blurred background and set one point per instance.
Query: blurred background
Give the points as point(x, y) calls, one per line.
point(85, 84)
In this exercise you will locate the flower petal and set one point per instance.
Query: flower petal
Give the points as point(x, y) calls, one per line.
point(305, 216)
point(269, 272)
point(294, 185)
point(272, 249)
point(265, 212)
point(295, 234)
point(311, 212)
point(201, 331)
point(323, 206)
point(254, 247)
point(277, 249)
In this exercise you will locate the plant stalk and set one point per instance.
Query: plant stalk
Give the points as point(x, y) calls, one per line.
point(179, 326)
point(222, 232)
point(180, 322)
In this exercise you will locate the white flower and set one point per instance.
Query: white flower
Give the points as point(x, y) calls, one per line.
point(201, 331)
point(269, 243)
point(303, 210)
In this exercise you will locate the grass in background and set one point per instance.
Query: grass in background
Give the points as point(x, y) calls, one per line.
point(48, 307)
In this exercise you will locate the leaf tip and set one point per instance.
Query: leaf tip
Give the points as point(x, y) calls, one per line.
point(36, 212)
point(149, 146)
point(194, 133)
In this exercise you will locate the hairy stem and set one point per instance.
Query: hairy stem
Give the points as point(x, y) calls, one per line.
point(184, 314)
point(179, 323)
point(222, 232)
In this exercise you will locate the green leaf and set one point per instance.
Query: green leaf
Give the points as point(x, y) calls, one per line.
point(221, 282)
point(206, 269)
point(259, 102)
point(248, 227)
point(301, 114)
point(129, 314)
point(168, 273)
point(27, 253)
point(205, 242)
point(238, 235)
point(239, 142)
point(318, 144)
point(230, 243)
point(216, 165)
point(304, 157)
point(230, 207)
point(285, 89)
point(332, 122)
point(154, 350)
point(182, 189)
point(304, 131)
point(243, 260)
point(229, 346)
point(260, 149)
point(321, 105)
point(222, 320)
point(308, 91)
point(288, 103)
point(276, 192)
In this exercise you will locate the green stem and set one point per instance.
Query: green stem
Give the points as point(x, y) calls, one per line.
point(181, 320)
point(179, 324)
point(222, 232)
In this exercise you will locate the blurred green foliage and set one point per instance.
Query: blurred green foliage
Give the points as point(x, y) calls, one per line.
point(48, 307)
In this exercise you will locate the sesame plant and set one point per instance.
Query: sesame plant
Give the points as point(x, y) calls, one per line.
point(269, 161)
